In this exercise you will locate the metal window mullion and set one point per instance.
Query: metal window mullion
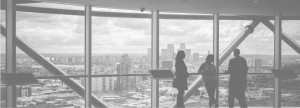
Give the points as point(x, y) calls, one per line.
point(88, 55)
point(155, 57)
point(216, 49)
point(277, 59)
point(11, 49)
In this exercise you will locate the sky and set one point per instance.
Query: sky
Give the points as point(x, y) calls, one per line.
point(52, 33)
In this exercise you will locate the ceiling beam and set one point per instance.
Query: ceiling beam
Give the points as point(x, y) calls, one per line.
point(139, 15)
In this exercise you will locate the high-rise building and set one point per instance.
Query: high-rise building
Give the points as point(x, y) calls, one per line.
point(170, 53)
point(188, 54)
point(103, 84)
point(164, 54)
point(124, 83)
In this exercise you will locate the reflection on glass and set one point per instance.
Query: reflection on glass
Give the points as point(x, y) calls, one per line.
point(49, 93)
point(123, 91)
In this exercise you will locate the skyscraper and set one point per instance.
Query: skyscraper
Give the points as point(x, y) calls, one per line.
point(170, 52)
point(164, 54)
point(188, 54)
point(124, 83)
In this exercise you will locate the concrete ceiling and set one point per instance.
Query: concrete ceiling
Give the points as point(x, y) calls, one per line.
point(236, 7)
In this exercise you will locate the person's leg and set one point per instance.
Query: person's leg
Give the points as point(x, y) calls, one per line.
point(242, 98)
point(231, 96)
point(210, 91)
point(214, 94)
point(180, 98)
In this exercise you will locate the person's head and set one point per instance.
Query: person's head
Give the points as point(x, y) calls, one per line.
point(236, 52)
point(180, 55)
point(209, 58)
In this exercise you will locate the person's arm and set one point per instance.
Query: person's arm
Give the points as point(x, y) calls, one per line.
point(201, 69)
point(229, 67)
point(245, 66)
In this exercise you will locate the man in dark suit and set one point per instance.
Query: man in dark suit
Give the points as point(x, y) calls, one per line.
point(238, 79)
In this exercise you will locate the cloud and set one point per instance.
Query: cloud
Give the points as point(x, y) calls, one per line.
point(65, 33)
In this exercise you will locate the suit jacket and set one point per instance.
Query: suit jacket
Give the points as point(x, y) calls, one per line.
point(238, 71)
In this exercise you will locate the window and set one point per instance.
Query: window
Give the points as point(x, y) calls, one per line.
point(195, 38)
point(120, 47)
point(60, 40)
point(290, 60)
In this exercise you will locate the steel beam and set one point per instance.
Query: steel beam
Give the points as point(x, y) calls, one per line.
point(88, 55)
point(138, 15)
point(54, 70)
point(11, 50)
point(277, 60)
point(248, 30)
point(284, 36)
point(216, 51)
point(155, 57)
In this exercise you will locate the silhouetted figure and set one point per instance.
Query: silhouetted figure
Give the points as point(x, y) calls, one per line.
point(238, 80)
point(180, 82)
point(210, 78)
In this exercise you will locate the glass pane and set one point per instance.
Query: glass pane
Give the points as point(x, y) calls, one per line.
point(25, 64)
point(259, 59)
point(123, 91)
point(50, 93)
point(58, 38)
point(290, 60)
point(194, 37)
point(259, 91)
point(229, 31)
point(120, 45)
point(168, 94)
point(290, 92)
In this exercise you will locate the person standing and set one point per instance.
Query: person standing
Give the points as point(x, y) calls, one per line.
point(237, 69)
point(210, 78)
point(180, 82)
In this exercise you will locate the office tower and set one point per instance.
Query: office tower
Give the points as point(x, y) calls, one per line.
point(170, 52)
point(123, 83)
point(103, 84)
point(182, 46)
point(167, 65)
point(188, 54)
point(164, 54)
point(196, 57)
point(258, 64)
